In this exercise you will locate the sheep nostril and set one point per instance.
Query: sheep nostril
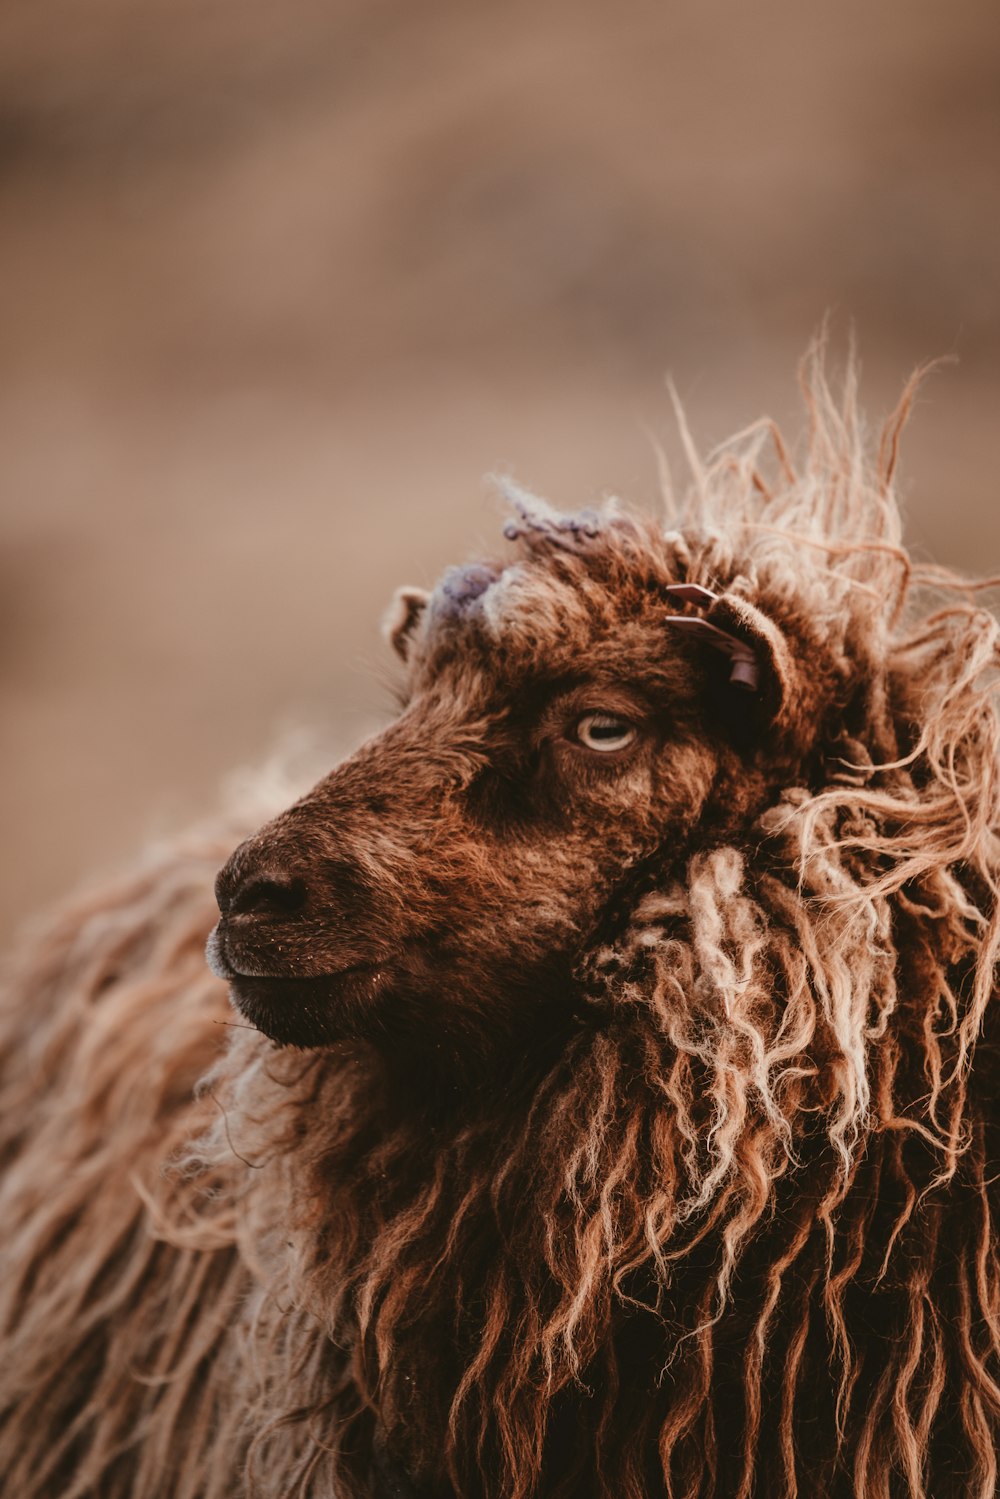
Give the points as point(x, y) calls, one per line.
point(275, 895)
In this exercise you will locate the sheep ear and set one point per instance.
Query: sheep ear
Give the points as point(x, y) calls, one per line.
point(773, 658)
point(402, 618)
point(757, 688)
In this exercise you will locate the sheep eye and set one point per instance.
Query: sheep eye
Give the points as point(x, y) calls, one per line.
point(604, 732)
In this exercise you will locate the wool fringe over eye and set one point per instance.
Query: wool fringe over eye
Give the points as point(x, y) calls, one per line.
point(771, 1159)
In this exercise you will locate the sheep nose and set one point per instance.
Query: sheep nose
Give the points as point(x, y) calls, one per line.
point(275, 893)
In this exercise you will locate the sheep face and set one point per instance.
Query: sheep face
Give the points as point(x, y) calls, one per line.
point(436, 889)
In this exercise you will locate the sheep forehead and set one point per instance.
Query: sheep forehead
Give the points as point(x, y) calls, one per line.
point(498, 601)
point(524, 595)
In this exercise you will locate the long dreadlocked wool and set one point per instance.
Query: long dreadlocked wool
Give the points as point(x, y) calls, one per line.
point(646, 1139)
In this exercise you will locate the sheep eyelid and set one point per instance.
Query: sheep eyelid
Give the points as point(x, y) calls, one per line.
point(585, 732)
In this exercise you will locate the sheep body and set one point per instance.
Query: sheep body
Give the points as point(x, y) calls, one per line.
point(724, 1225)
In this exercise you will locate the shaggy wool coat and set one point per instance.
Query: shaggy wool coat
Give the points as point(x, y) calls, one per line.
point(595, 1089)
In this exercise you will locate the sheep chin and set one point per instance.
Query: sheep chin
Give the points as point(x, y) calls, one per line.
point(312, 1012)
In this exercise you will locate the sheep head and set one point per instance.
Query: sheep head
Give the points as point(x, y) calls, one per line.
point(570, 722)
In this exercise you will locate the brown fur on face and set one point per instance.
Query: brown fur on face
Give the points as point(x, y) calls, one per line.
point(638, 1137)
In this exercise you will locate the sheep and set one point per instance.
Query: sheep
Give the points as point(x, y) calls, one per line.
point(594, 1089)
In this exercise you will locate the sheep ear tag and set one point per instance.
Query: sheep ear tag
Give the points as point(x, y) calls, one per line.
point(744, 661)
point(760, 691)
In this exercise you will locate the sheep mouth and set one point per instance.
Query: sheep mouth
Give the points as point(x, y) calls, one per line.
point(308, 1012)
point(314, 1011)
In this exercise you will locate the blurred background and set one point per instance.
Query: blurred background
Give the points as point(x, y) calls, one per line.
point(280, 282)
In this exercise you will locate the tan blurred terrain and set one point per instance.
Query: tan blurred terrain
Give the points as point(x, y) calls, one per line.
point(278, 284)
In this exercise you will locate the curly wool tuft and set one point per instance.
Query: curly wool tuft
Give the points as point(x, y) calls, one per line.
point(736, 1236)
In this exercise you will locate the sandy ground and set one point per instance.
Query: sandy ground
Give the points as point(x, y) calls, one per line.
point(279, 284)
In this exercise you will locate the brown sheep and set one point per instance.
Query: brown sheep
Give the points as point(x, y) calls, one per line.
point(632, 1126)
